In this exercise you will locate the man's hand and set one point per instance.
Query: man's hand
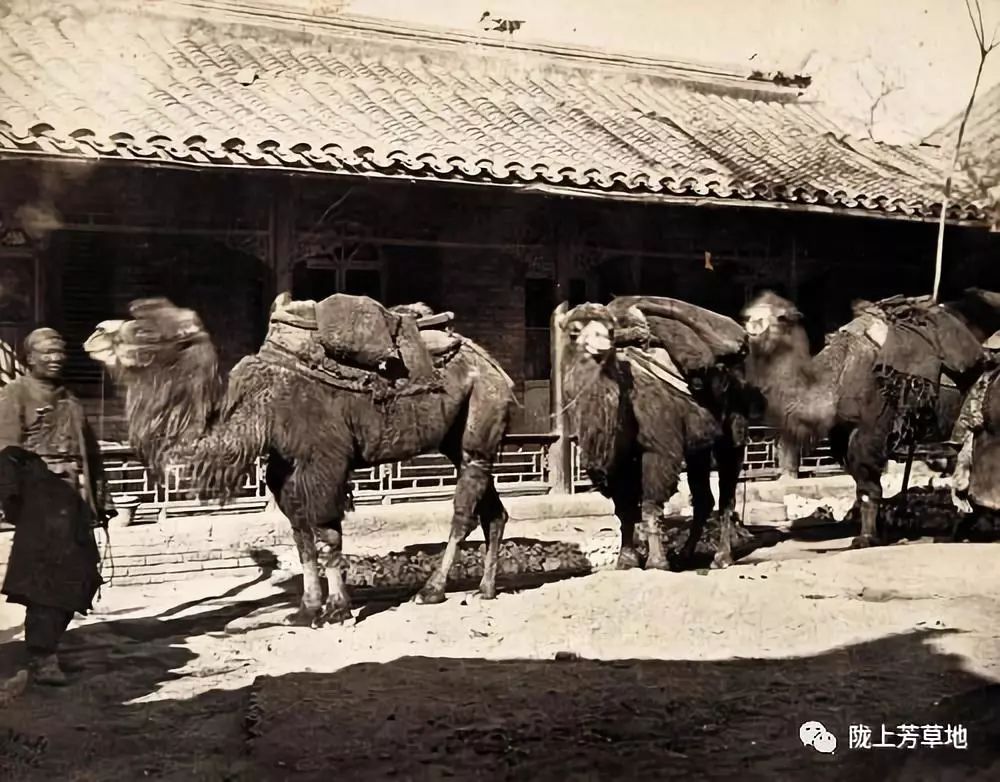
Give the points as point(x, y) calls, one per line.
point(961, 502)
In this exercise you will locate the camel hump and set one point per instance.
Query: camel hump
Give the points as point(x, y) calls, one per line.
point(695, 332)
point(360, 331)
point(285, 309)
point(923, 337)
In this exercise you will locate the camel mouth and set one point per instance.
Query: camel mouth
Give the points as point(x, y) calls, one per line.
point(595, 338)
point(756, 327)
point(101, 344)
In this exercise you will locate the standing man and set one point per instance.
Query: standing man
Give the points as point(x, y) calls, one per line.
point(53, 568)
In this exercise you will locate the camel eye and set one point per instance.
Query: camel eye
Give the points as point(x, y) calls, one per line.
point(574, 330)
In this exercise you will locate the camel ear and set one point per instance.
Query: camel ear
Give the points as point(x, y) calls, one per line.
point(791, 315)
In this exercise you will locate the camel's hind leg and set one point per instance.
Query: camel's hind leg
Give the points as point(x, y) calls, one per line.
point(699, 475)
point(481, 429)
point(474, 476)
point(865, 461)
point(493, 519)
point(729, 459)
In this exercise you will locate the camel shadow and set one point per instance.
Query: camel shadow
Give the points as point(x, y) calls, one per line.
point(429, 717)
point(117, 661)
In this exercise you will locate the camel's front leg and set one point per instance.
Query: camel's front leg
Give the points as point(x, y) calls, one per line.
point(660, 473)
point(338, 603)
point(473, 478)
point(312, 589)
point(314, 498)
point(627, 496)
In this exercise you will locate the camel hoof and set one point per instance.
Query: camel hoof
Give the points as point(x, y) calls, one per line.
point(485, 593)
point(335, 615)
point(627, 560)
point(864, 541)
point(721, 561)
point(429, 597)
point(657, 565)
point(302, 617)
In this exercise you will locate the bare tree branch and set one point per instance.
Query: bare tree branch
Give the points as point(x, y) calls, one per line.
point(887, 86)
point(976, 18)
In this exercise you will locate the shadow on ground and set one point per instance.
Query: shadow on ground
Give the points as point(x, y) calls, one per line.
point(425, 718)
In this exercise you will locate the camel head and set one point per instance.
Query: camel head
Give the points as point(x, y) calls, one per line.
point(772, 323)
point(168, 365)
point(979, 309)
point(594, 329)
point(590, 329)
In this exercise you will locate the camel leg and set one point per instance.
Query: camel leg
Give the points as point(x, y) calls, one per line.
point(699, 475)
point(314, 499)
point(312, 588)
point(474, 477)
point(280, 481)
point(338, 604)
point(627, 497)
point(660, 473)
point(729, 458)
point(866, 460)
point(493, 519)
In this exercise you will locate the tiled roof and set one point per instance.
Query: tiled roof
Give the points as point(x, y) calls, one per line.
point(981, 141)
point(184, 85)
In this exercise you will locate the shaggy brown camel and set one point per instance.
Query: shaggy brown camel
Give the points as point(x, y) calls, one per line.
point(894, 375)
point(653, 384)
point(313, 426)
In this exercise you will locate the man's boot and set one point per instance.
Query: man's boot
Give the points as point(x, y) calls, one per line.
point(46, 670)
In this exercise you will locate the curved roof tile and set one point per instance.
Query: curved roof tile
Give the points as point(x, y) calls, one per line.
point(167, 86)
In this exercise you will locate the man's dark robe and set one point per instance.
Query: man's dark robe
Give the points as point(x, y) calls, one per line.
point(54, 558)
point(978, 428)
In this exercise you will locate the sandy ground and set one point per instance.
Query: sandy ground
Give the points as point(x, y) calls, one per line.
point(615, 675)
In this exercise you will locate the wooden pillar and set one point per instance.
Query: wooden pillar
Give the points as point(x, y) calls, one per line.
point(281, 235)
point(635, 274)
point(789, 458)
point(280, 246)
point(561, 450)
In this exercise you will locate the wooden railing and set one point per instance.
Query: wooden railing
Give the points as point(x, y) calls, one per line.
point(522, 469)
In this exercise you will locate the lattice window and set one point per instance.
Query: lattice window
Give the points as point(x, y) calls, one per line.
point(342, 259)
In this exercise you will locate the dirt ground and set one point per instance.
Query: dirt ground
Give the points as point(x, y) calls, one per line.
point(614, 675)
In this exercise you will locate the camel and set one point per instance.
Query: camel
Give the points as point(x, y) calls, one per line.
point(315, 421)
point(894, 375)
point(653, 384)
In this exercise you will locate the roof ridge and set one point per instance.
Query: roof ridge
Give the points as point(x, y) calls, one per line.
point(274, 15)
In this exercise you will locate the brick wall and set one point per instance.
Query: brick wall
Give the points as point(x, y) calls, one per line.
point(485, 289)
point(186, 548)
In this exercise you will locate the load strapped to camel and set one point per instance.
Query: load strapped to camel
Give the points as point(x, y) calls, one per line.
point(922, 349)
point(356, 344)
point(679, 342)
